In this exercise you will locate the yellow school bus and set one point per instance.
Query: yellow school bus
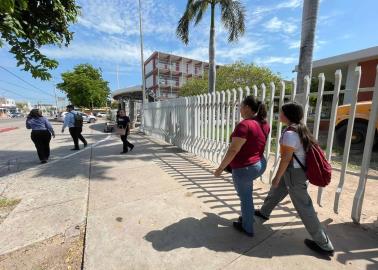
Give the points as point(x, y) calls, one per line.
point(360, 125)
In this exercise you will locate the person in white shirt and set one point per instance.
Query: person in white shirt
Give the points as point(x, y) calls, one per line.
point(291, 179)
point(74, 127)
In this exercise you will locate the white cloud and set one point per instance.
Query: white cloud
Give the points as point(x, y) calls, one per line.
point(105, 50)
point(277, 25)
point(121, 17)
point(294, 44)
point(275, 60)
point(289, 4)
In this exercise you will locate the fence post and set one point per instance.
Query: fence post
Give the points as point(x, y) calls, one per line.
point(369, 142)
point(254, 87)
point(319, 103)
point(240, 92)
point(278, 134)
point(222, 140)
point(306, 98)
point(271, 116)
point(352, 115)
point(294, 93)
point(332, 123)
point(233, 108)
point(247, 91)
point(263, 92)
point(228, 113)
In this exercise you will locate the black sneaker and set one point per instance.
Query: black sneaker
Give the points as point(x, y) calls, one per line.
point(258, 214)
point(238, 226)
point(315, 247)
point(75, 149)
point(131, 148)
point(43, 161)
point(124, 152)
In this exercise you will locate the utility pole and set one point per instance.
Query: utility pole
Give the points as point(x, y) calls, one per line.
point(142, 63)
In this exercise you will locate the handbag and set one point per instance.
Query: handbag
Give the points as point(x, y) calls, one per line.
point(120, 131)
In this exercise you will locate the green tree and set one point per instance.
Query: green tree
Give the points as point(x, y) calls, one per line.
point(233, 19)
point(234, 76)
point(26, 25)
point(85, 86)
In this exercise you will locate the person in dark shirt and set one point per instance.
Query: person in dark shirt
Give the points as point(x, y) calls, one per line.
point(41, 133)
point(123, 122)
point(245, 156)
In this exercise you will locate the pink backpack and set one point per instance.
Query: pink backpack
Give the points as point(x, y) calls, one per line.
point(318, 169)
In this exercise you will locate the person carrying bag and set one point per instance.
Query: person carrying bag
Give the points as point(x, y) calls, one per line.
point(123, 130)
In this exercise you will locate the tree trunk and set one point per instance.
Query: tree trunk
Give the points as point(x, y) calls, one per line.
point(309, 18)
point(212, 70)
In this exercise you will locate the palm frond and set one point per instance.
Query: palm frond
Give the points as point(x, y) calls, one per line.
point(233, 18)
point(195, 10)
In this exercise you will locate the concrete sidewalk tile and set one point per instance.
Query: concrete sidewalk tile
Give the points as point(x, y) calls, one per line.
point(22, 229)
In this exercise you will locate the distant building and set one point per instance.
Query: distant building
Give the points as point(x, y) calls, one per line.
point(166, 73)
point(7, 106)
point(367, 59)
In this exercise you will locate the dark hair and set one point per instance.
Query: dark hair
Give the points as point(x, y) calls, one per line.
point(71, 107)
point(34, 113)
point(294, 113)
point(256, 106)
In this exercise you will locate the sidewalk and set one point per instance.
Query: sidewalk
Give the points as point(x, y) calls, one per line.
point(160, 208)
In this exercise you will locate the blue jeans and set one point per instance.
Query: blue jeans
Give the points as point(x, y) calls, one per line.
point(243, 182)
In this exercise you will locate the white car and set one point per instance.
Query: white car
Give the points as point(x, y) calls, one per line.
point(101, 114)
point(87, 118)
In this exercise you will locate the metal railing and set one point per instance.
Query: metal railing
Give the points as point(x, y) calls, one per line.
point(202, 125)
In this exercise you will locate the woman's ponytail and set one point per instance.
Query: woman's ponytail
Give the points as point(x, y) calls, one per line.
point(261, 111)
point(257, 107)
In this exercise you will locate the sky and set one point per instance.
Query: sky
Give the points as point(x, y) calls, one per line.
point(106, 35)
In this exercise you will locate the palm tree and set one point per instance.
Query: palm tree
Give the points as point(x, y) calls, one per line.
point(309, 18)
point(232, 16)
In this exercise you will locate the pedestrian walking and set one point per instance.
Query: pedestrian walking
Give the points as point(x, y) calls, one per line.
point(291, 179)
point(74, 121)
point(123, 129)
point(41, 133)
point(245, 158)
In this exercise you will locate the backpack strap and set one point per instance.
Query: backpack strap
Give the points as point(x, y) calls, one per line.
point(299, 162)
point(291, 128)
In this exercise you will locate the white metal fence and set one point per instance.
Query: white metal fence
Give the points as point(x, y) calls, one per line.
point(202, 124)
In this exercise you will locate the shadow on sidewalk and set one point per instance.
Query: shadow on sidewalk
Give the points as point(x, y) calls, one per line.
point(352, 243)
point(215, 232)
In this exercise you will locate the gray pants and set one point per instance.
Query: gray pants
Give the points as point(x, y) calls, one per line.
point(294, 183)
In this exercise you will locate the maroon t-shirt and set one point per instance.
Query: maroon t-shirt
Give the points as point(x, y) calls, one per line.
point(251, 152)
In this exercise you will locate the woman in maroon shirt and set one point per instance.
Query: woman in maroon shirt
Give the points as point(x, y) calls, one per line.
point(245, 156)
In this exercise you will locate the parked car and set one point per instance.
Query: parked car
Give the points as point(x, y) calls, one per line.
point(101, 114)
point(87, 118)
point(360, 125)
point(16, 115)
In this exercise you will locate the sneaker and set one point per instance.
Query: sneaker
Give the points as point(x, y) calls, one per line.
point(238, 226)
point(75, 149)
point(124, 152)
point(315, 247)
point(258, 214)
point(43, 161)
point(131, 148)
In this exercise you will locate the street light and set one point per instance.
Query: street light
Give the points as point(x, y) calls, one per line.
point(142, 63)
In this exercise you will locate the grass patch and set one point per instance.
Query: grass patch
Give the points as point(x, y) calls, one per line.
point(4, 202)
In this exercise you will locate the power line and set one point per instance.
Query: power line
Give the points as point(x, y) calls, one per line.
point(15, 93)
point(15, 84)
point(18, 77)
